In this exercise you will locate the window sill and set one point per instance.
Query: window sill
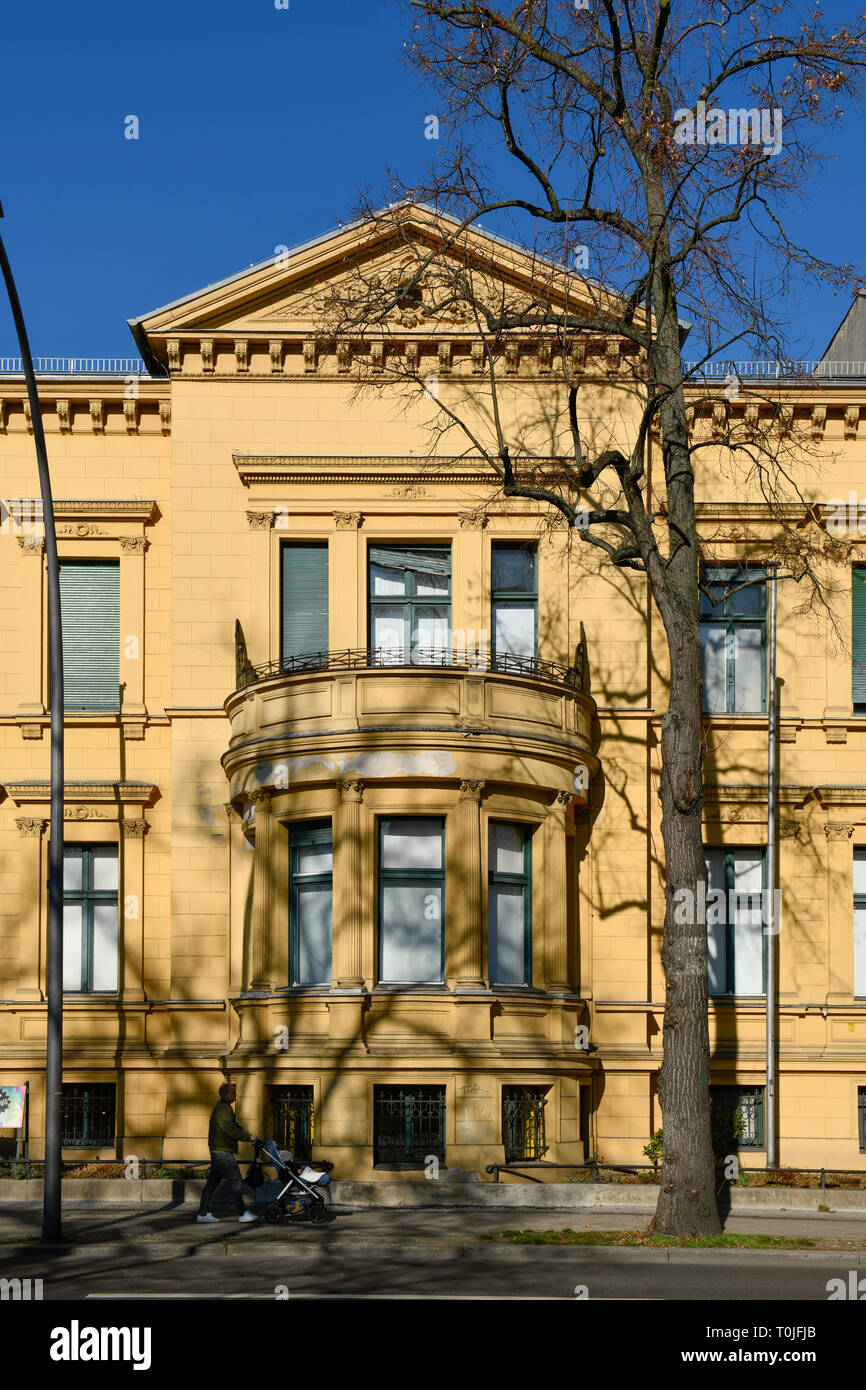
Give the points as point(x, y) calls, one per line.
point(408, 987)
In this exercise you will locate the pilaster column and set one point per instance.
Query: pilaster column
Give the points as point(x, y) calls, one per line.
point(240, 868)
point(839, 696)
point(132, 623)
point(344, 557)
point(257, 628)
point(31, 952)
point(348, 942)
point(131, 909)
point(32, 625)
point(259, 976)
point(555, 945)
point(468, 938)
point(468, 612)
point(840, 911)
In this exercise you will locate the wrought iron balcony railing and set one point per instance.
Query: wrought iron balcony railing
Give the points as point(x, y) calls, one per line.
point(391, 658)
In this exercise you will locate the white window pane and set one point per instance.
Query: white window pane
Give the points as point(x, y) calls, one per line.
point(314, 935)
point(431, 585)
point(105, 870)
point(73, 870)
point(514, 629)
point(411, 844)
point(505, 848)
point(748, 681)
point(389, 633)
point(506, 935)
point(713, 667)
point(748, 924)
point(432, 631)
point(104, 946)
point(72, 923)
point(314, 859)
point(411, 932)
point(386, 581)
point(860, 952)
point(860, 871)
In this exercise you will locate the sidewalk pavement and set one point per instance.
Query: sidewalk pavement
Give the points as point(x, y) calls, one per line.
point(161, 1230)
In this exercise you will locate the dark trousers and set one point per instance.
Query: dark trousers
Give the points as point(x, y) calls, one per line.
point(224, 1167)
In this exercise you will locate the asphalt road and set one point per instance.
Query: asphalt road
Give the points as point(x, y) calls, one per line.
point(129, 1254)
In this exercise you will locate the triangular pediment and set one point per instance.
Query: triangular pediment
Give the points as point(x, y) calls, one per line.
point(290, 294)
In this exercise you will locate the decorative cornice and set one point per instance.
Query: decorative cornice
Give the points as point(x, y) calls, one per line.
point(350, 788)
point(139, 793)
point(29, 827)
point(838, 830)
point(134, 829)
point(120, 509)
point(269, 468)
point(348, 521)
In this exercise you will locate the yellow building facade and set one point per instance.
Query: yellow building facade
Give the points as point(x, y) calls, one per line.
point(361, 759)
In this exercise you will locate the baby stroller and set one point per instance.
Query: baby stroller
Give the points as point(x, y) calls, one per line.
point(301, 1183)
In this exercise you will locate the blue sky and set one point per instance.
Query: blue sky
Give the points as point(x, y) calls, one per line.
point(257, 128)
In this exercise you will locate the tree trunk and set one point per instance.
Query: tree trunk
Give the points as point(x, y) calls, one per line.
point(687, 1199)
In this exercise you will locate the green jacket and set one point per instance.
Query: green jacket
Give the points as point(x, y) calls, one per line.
point(224, 1131)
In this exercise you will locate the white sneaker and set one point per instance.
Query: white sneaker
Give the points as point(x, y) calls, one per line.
point(248, 1216)
point(208, 1217)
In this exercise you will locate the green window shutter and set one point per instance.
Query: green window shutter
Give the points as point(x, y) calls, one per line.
point(90, 612)
point(858, 636)
point(304, 599)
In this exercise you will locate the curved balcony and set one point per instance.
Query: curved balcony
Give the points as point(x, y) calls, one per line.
point(392, 713)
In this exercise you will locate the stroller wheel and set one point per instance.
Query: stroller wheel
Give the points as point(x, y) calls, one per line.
point(274, 1214)
point(318, 1212)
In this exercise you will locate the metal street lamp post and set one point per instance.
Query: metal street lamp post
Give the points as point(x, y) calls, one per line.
point(51, 1212)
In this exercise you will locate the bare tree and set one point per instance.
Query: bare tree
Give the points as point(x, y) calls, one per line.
point(621, 161)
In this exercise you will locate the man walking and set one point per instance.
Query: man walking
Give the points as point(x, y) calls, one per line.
point(222, 1138)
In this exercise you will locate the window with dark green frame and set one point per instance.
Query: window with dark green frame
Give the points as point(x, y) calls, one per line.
point(733, 641)
point(523, 1123)
point(509, 903)
point(736, 940)
point(90, 613)
point(310, 902)
point(409, 605)
point(88, 1115)
point(858, 639)
point(514, 600)
point(859, 923)
point(411, 900)
point(293, 1116)
point(90, 887)
point(304, 600)
point(736, 1118)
